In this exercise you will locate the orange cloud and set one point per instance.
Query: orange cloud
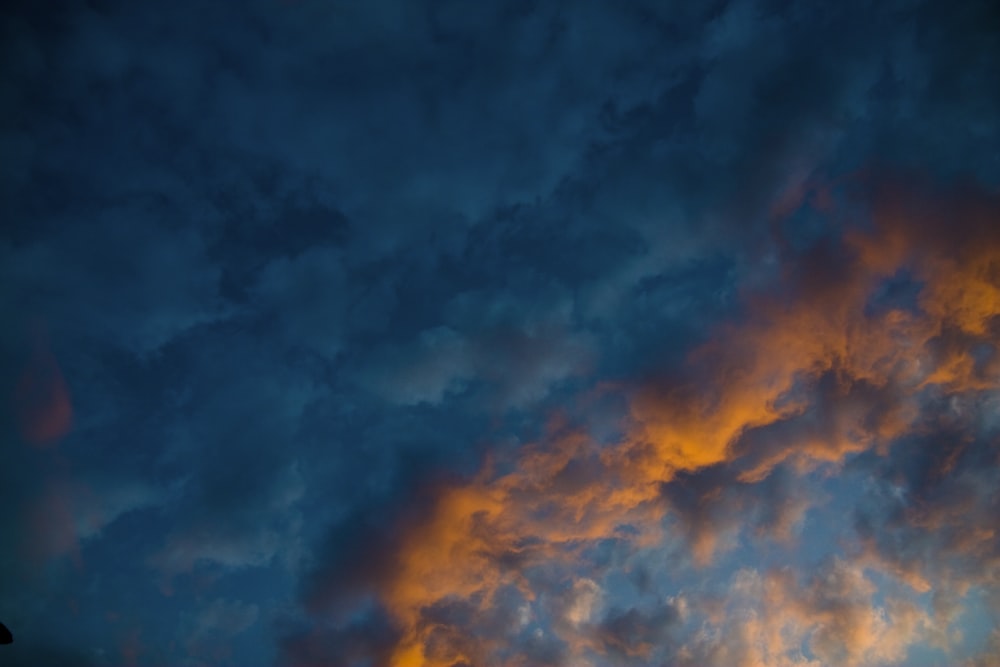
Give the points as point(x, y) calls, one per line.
point(817, 320)
point(772, 615)
point(822, 364)
point(483, 537)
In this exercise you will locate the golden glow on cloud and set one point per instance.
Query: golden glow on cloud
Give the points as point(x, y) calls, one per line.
point(774, 614)
point(819, 321)
point(481, 536)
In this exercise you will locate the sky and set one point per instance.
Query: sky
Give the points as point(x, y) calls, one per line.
point(436, 333)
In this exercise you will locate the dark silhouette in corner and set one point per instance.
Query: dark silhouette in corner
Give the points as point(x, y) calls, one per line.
point(5, 636)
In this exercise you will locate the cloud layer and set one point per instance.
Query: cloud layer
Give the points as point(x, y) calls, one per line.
point(437, 333)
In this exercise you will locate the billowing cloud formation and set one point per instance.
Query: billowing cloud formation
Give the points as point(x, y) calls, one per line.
point(524, 333)
point(772, 619)
point(828, 363)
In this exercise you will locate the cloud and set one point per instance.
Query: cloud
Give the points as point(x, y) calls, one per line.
point(368, 637)
point(584, 602)
point(714, 508)
point(218, 624)
point(773, 619)
point(68, 511)
point(807, 379)
point(305, 299)
point(989, 653)
point(235, 537)
point(172, 287)
point(512, 358)
point(323, 279)
point(636, 634)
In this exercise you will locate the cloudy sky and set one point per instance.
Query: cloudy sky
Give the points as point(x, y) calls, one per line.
point(439, 333)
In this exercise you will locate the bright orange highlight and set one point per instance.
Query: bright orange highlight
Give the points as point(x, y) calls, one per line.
point(817, 324)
